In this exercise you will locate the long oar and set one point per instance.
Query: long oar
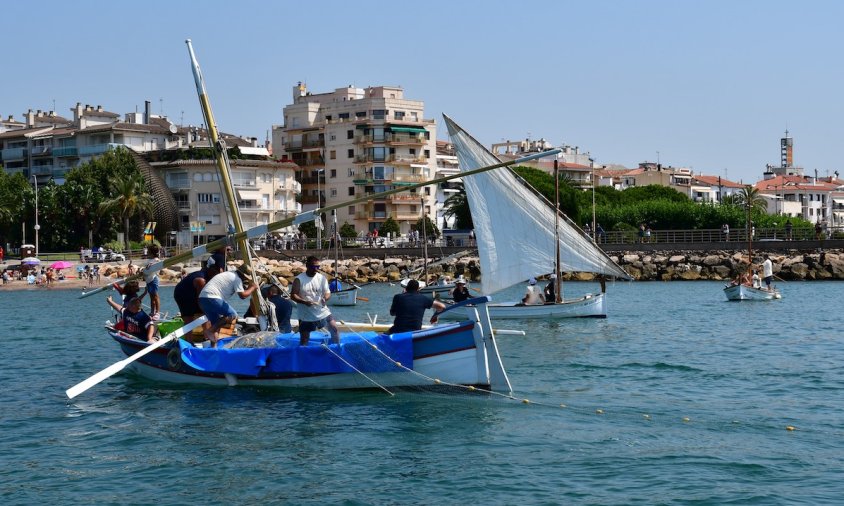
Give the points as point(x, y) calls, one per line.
point(260, 230)
point(119, 366)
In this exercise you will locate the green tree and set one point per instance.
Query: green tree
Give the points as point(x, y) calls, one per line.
point(457, 206)
point(308, 228)
point(749, 199)
point(389, 226)
point(129, 199)
point(347, 231)
point(431, 230)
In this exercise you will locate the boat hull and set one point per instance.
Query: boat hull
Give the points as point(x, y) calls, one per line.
point(744, 292)
point(589, 306)
point(457, 353)
point(348, 297)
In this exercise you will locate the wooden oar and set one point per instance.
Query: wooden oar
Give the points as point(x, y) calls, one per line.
point(363, 299)
point(119, 366)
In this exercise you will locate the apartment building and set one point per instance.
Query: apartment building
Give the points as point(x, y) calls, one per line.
point(447, 165)
point(355, 142)
point(266, 191)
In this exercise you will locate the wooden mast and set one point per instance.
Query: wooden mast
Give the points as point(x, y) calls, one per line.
point(557, 282)
point(223, 167)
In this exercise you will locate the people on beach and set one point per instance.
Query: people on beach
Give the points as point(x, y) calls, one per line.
point(460, 293)
point(409, 309)
point(134, 320)
point(152, 283)
point(213, 298)
point(532, 295)
point(767, 272)
point(310, 292)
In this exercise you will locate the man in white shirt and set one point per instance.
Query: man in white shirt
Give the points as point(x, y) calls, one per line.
point(767, 272)
point(212, 298)
point(532, 295)
point(310, 292)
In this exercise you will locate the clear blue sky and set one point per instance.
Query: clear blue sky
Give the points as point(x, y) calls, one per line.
point(710, 85)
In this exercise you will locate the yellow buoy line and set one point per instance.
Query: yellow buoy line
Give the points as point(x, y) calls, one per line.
point(469, 388)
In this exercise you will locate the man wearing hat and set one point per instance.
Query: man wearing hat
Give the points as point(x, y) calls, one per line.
point(409, 308)
point(532, 295)
point(212, 298)
point(460, 293)
point(551, 289)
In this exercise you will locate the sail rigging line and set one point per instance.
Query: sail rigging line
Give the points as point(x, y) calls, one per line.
point(558, 292)
point(306, 216)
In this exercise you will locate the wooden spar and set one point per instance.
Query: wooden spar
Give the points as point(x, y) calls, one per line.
point(223, 167)
point(310, 216)
point(424, 245)
point(558, 281)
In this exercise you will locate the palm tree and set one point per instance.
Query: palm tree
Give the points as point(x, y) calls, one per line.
point(130, 199)
point(750, 199)
point(457, 205)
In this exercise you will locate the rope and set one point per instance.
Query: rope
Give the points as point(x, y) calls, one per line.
point(356, 369)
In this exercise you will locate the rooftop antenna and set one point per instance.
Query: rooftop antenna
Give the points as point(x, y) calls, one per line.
point(54, 104)
point(161, 106)
point(182, 119)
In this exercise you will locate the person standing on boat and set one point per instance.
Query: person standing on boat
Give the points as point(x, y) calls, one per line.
point(152, 283)
point(551, 289)
point(409, 309)
point(767, 272)
point(283, 308)
point(135, 321)
point(188, 289)
point(532, 295)
point(310, 292)
point(756, 281)
point(460, 293)
point(213, 299)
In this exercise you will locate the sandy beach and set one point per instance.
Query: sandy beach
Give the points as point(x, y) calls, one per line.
point(71, 281)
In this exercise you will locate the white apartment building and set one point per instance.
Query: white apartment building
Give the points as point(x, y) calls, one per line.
point(447, 165)
point(354, 142)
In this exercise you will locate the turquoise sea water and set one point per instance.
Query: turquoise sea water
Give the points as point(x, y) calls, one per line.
point(718, 381)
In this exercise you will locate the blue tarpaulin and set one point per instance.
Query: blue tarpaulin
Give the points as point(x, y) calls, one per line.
point(289, 357)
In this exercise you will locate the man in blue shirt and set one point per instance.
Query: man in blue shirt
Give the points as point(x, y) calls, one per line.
point(135, 321)
point(409, 309)
point(283, 308)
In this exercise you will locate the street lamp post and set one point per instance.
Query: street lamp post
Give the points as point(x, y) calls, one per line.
point(319, 205)
point(37, 226)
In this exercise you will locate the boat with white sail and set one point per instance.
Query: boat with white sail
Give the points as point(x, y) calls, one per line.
point(519, 236)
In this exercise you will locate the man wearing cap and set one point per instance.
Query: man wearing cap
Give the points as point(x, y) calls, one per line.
point(551, 289)
point(460, 293)
point(310, 292)
point(532, 295)
point(409, 308)
point(212, 298)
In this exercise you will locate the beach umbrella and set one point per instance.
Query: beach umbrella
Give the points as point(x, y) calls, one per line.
point(30, 261)
point(61, 264)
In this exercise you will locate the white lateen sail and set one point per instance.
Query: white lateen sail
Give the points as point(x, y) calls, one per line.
point(514, 228)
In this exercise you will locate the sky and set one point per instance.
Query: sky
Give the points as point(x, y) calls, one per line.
point(708, 85)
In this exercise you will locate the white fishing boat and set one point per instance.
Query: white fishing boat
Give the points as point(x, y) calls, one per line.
point(744, 292)
point(520, 235)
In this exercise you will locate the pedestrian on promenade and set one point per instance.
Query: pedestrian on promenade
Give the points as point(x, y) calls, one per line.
point(788, 228)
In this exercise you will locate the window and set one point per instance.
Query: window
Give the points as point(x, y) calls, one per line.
point(327, 117)
point(334, 192)
point(333, 173)
point(267, 177)
point(351, 153)
point(351, 210)
point(351, 172)
point(360, 114)
point(209, 219)
point(378, 172)
point(343, 115)
point(243, 178)
point(208, 198)
point(379, 113)
point(412, 209)
point(332, 154)
point(398, 114)
point(333, 137)
point(265, 201)
point(350, 134)
point(427, 153)
point(427, 190)
point(178, 180)
point(351, 191)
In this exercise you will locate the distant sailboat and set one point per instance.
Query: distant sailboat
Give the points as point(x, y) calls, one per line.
point(517, 238)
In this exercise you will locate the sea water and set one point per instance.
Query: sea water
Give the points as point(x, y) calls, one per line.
point(677, 397)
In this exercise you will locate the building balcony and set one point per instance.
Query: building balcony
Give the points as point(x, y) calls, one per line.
point(183, 206)
point(405, 198)
point(400, 216)
point(310, 162)
point(406, 139)
point(313, 180)
point(255, 209)
point(41, 170)
point(408, 178)
point(59, 172)
point(371, 159)
point(14, 154)
point(65, 151)
point(294, 187)
point(407, 159)
point(97, 149)
point(42, 150)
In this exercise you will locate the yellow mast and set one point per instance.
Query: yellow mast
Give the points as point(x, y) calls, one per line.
point(223, 167)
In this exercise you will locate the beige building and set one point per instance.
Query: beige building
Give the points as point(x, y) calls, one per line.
point(353, 142)
point(266, 191)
